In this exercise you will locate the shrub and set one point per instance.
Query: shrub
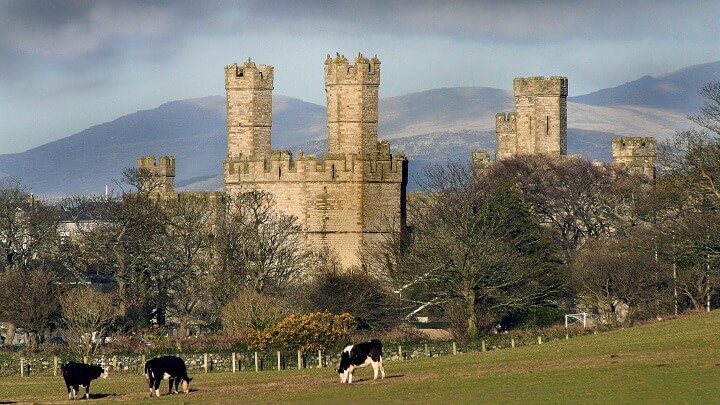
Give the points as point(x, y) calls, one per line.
point(311, 331)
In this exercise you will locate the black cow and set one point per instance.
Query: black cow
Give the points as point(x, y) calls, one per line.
point(167, 367)
point(78, 375)
point(361, 355)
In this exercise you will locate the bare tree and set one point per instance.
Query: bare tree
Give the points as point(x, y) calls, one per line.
point(261, 248)
point(611, 273)
point(87, 315)
point(476, 243)
point(577, 199)
point(184, 280)
point(29, 238)
point(29, 300)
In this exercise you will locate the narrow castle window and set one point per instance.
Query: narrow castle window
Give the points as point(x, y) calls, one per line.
point(547, 124)
point(332, 168)
point(279, 172)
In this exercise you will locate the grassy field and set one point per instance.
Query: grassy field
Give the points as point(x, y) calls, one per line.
point(674, 361)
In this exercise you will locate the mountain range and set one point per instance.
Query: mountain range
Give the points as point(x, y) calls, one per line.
point(432, 126)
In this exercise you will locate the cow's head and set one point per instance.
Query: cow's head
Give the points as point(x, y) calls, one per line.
point(344, 367)
point(102, 372)
point(186, 385)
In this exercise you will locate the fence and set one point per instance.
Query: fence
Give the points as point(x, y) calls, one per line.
point(16, 364)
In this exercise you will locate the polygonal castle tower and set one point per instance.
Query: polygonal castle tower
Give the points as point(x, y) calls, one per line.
point(637, 154)
point(539, 125)
point(346, 201)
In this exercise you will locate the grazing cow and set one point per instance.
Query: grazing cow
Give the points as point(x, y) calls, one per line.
point(78, 375)
point(361, 355)
point(167, 367)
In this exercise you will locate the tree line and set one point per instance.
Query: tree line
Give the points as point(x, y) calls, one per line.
point(515, 244)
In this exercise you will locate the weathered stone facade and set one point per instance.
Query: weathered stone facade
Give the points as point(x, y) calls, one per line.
point(346, 201)
point(637, 154)
point(165, 170)
point(539, 125)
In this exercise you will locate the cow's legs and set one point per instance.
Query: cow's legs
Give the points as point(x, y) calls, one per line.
point(382, 369)
point(156, 385)
point(87, 391)
point(174, 383)
point(376, 366)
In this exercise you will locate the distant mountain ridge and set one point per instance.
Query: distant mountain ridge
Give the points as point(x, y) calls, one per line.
point(430, 126)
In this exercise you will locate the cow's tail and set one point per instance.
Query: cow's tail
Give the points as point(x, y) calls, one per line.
point(147, 370)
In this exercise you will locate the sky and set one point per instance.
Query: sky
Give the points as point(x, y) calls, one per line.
point(66, 65)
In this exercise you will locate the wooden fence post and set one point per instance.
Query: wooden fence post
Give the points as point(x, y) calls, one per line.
point(142, 364)
point(300, 359)
point(22, 366)
point(55, 365)
point(512, 342)
point(454, 349)
point(207, 364)
point(320, 359)
point(233, 358)
point(482, 346)
point(539, 340)
point(279, 360)
point(257, 362)
point(427, 354)
point(400, 352)
point(114, 363)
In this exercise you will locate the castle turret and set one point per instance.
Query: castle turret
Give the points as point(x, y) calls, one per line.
point(352, 104)
point(165, 171)
point(541, 118)
point(636, 153)
point(249, 106)
point(506, 130)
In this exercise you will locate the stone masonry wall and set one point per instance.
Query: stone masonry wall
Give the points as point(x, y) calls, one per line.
point(343, 201)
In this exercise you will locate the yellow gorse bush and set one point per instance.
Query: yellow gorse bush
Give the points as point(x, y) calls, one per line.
point(306, 332)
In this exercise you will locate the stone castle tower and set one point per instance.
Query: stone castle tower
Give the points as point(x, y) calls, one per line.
point(539, 125)
point(346, 201)
point(165, 171)
point(637, 154)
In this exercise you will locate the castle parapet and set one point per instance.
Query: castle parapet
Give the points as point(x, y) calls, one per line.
point(165, 170)
point(248, 76)
point(541, 86)
point(506, 122)
point(339, 71)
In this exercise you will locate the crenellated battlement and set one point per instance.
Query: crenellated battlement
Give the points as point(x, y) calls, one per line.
point(636, 154)
point(281, 167)
point(541, 86)
point(506, 122)
point(634, 147)
point(343, 200)
point(248, 76)
point(165, 169)
point(339, 71)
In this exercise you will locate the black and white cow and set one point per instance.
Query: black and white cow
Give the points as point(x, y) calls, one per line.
point(361, 355)
point(78, 375)
point(167, 368)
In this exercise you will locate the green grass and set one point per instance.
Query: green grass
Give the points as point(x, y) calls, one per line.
point(674, 361)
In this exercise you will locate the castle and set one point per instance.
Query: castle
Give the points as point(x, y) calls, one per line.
point(348, 200)
point(351, 199)
point(539, 126)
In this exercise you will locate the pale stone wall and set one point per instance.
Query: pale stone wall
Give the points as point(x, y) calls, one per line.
point(344, 201)
point(539, 125)
point(638, 154)
point(165, 169)
point(249, 107)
